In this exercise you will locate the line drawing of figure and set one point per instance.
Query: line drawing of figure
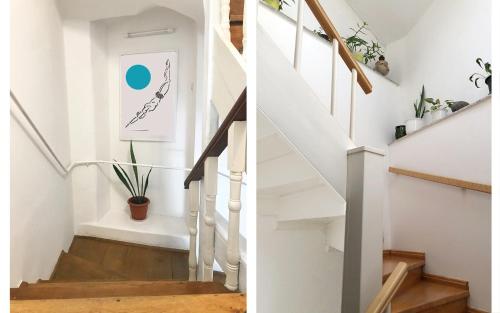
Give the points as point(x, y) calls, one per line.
point(152, 104)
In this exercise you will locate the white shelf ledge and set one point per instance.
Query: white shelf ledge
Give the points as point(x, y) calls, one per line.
point(155, 230)
point(451, 115)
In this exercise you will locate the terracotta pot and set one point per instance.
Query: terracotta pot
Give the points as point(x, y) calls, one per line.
point(138, 211)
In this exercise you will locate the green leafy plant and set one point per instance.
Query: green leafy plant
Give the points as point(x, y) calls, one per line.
point(419, 105)
point(278, 4)
point(476, 77)
point(138, 191)
point(356, 43)
point(321, 32)
point(437, 105)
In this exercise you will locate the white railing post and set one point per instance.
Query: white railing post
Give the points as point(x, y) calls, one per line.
point(210, 184)
point(354, 83)
point(224, 19)
point(335, 53)
point(236, 165)
point(298, 34)
point(362, 277)
point(194, 202)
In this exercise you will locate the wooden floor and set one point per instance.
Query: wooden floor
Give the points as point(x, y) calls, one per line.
point(97, 259)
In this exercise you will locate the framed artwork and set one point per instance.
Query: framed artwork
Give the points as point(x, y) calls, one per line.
point(148, 96)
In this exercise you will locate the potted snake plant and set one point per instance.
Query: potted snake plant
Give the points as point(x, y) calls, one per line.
point(138, 202)
point(420, 110)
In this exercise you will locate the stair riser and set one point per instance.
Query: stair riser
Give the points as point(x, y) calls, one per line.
point(124, 289)
point(413, 277)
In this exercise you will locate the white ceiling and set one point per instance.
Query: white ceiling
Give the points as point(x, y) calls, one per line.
point(390, 20)
point(100, 9)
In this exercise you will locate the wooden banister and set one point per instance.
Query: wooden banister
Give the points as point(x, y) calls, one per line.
point(443, 180)
point(389, 289)
point(344, 52)
point(219, 140)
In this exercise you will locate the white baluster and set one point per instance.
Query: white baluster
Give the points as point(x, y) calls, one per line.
point(354, 83)
point(194, 202)
point(236, 165)
point(209, 218)
point(335, 53)
point(298, 35)
point(224, 19)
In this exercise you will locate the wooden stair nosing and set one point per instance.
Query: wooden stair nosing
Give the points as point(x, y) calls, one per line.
point(74, 290)
point(215, 303)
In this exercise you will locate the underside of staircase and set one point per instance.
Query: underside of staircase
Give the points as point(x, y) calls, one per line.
point(422, 292)
point(98, 275)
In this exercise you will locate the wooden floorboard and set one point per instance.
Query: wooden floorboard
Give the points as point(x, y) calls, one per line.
point(217, 303)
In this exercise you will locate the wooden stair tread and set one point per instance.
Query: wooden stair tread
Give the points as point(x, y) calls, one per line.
point(220, 303)
point(391, 260)
point(133, 261)
point(76, 290)
point(74, 268)
point(426, 295)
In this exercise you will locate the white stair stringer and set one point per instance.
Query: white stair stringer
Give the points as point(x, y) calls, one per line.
point(286, 99)
point(301, 197)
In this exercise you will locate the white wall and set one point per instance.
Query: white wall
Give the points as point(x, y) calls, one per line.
point(289, 279)
point(94, 51)
point(451, 225)
point(41, 210)
point(441, 49)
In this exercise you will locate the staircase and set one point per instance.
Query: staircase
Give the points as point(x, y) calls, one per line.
point(422, 292)
point(122, 277)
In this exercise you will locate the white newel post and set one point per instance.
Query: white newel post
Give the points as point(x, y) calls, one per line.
point(224, 16)
point(362, 277)
point(210, 185)
point(194, 202)
point(236, 165)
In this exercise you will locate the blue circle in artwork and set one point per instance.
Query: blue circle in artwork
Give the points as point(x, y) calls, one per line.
point(138, 76)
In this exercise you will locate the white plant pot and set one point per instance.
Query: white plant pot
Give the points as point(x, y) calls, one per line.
point(414, 124)
point(439, 114)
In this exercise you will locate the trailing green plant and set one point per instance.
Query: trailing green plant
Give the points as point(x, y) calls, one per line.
point(419, 105)
point(278, 4)
point(436, 104)
point(356, 43)
point(138, 191)
point(476, 77)
point(321, 32)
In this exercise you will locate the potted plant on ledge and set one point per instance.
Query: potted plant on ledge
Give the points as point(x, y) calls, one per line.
point(438, 110)
point(476, 77)
point(138, 202)
point(420, 110)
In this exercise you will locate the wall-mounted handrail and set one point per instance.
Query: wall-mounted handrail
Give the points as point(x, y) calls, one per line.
point(69, 168)
point(219, 141)
point(389, 289)
point(344, 52)
point(443, 180)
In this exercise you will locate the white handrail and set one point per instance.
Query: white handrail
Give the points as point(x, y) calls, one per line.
point(70, 167)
